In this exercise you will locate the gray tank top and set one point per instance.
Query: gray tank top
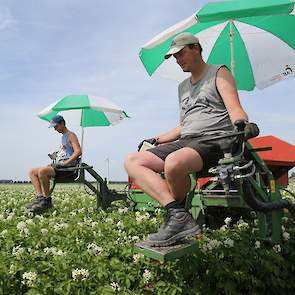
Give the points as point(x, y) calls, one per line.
point(202, 111)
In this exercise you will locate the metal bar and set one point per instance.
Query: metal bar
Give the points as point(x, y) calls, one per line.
point(231, 38)
point(143, 198)
point(91, 186)
point(276, 215)
point(82, 142)
point(258, 161)
point(263, 195)
point(218, 191)
point(75, 168)
point(262, 226)
point(261, 149)
point(94, 174)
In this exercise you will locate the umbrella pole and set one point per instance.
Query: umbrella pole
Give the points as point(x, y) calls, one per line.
point(82, 141)
point(231, 37)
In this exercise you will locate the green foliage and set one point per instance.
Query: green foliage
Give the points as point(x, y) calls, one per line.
point(74, 249)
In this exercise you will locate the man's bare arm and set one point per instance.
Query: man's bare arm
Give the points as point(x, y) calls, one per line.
point(226, 86)
point(76, 147)
point(169, 136)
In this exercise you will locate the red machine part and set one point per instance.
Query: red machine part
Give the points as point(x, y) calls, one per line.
point(279, 160)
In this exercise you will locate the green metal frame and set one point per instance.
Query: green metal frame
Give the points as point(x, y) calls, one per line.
point(262, 186)
point(168, 253)
point(104, 197)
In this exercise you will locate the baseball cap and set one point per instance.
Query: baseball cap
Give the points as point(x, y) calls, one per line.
point(56, 120)
point(180, 41)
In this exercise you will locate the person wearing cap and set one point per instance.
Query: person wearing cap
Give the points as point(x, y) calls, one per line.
point(41, 176)
point(209, 105)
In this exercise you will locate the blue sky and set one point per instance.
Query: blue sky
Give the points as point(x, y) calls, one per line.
point(53, 48)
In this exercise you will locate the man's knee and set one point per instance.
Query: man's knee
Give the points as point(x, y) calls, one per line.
point(33, 172)
point(137, 158)
point(131, 159)
point(144, 159)
point(44, 172)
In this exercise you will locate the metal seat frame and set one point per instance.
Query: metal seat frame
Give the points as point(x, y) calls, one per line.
point(99, 187)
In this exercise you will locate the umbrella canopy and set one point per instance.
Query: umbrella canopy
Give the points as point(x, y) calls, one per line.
point(255, 39)
point(94, 111)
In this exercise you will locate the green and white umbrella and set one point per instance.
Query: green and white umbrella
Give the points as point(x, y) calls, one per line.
point(255, 39)
point(92, 111)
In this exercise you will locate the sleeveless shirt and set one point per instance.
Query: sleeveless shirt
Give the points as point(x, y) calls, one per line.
point(202, 110)
point(67, 145)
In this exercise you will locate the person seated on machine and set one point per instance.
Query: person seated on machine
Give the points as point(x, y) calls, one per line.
point(67, 156)
point(209, 105)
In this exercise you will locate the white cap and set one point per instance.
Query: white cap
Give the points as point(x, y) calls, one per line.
point(180, 41)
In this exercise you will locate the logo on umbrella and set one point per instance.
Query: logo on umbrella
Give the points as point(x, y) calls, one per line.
point(288, 70)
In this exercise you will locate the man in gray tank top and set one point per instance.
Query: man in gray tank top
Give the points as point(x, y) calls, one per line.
point(41, 176)
point(209, 105)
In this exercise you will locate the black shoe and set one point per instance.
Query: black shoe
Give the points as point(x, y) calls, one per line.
point(43, 205)
point(179, 224)
point(36, 201)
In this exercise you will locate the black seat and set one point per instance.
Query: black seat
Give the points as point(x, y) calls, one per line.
point(74, 173)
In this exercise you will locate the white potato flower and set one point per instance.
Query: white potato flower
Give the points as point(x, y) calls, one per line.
point(147, 276)
point(257, 244)
point(29, 278)
point(137, 257)
point(94, 249)
point(18, 252)
point(242, 224)
point(277, 248)
point(80, 274)
point(44, 231)
point(227, 221)
point(228, 243)
point(123, 210)
point(286, 236)
point(115, 286)
point(210, 245)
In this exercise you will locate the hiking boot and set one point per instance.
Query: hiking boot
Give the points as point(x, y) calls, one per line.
point(42, 206)
point(179, 224)
point(36, 201)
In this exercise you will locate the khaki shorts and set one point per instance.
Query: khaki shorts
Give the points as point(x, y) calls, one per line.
point(209, 151)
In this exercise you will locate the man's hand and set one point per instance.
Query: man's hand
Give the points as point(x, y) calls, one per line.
point(149, 140)
point(240, 124)
point(251, 129)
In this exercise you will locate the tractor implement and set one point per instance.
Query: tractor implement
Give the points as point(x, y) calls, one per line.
point(250, 177)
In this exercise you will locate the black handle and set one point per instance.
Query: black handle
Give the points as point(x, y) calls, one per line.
point(240, 124)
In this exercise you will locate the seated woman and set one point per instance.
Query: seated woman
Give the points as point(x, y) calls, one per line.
point(40, 176)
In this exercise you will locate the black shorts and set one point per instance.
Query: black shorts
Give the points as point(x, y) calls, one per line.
point(209, 151)
point(59, 173)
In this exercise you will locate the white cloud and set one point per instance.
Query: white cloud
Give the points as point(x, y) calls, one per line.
point(7, 21)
